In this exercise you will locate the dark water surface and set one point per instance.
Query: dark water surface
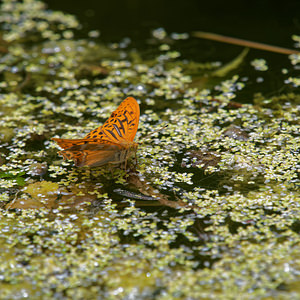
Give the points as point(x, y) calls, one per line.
point(261, 20)
point(265, 21)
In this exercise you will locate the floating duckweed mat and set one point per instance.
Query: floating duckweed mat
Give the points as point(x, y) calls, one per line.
point(211, 210)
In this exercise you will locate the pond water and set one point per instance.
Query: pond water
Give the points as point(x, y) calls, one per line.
point(210, 210)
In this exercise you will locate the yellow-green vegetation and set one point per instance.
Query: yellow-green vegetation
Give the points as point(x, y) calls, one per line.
point(215, 209)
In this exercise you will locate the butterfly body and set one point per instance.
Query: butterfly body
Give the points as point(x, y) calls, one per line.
point(110, 143)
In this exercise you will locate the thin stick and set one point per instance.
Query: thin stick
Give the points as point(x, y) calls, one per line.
point(245, 43)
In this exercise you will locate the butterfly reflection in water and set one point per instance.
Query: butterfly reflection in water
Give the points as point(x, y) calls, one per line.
point(110, 143)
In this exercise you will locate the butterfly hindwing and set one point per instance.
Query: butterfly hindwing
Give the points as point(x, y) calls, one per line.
point(92, 155)
point(68, 143)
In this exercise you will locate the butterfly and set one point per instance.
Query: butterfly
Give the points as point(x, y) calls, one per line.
point(110, 143)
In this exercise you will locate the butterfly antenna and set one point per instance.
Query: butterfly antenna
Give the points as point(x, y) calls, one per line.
point(157, 130)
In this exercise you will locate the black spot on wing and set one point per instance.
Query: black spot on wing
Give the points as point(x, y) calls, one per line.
point(112, 134)
point(117, 130)
point(125, 119)
point(121, 126)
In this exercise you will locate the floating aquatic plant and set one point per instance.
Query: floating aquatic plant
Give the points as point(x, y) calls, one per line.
point(211, 210)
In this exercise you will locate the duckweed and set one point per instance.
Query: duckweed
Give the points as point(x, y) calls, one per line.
point(210, 211)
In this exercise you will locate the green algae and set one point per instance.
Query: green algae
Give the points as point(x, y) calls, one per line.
point(225, 223)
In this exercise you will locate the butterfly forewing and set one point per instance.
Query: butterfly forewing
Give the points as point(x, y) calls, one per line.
point(122, 125)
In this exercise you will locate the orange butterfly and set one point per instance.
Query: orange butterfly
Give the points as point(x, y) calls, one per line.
point(110, 143)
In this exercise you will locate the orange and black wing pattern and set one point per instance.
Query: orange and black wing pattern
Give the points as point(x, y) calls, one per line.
point(104, 144)
point(121, 126)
